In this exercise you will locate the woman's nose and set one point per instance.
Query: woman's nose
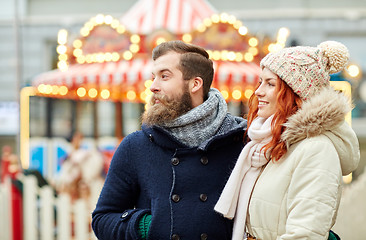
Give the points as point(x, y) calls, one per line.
point(259, 91)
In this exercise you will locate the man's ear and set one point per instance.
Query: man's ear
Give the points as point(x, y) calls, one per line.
point(196, 85)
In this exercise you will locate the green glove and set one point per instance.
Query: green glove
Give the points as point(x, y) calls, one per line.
point(144, 225)
point(332, 236)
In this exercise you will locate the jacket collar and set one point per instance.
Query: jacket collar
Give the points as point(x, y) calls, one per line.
point(324, 114)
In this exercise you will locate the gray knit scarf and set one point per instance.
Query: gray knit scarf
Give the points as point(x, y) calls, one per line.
point(200, 123)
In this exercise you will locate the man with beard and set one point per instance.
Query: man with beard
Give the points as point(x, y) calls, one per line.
point(164, 180)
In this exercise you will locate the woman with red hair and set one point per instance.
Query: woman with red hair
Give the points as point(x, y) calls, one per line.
point(287, 181)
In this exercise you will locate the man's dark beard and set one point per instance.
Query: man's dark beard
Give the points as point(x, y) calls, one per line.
point(167, 110)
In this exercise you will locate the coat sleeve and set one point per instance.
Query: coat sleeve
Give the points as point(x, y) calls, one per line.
point(115, 216)
point(314, 190)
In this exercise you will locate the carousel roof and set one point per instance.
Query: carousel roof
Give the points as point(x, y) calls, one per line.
point(176, 16)
point(115, 54)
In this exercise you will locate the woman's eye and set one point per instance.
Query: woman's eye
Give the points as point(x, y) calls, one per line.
point(271, 84)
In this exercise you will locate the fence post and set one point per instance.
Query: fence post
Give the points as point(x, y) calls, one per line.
point(64, 220)
point(81, 220)
point(47, 213)
point(30, 207)
point(5, 210)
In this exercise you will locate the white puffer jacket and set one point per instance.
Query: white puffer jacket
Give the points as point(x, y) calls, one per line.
point(298, 196)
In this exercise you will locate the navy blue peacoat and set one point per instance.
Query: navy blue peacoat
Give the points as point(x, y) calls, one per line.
point(151, 172)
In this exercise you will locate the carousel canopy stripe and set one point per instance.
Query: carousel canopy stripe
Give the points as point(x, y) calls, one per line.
point(177, 16)
point(229, 74)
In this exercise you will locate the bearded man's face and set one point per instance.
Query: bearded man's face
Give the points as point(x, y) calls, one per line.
point(163, 109)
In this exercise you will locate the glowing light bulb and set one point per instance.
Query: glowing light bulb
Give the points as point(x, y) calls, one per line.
point(131, 95)
point(187, 37)
point(243, 30)
point(236, 94)
point(248, 93)
point(105, 93)
point(353, 70)
point(225, 94)
point(253, 42)
point(92, 92)
point(63, 90)
point(148, 83)
point(81, 92)
point(62, 36)
point(135, 38)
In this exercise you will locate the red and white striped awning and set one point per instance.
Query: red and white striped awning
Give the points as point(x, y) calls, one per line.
point(108, 74)
point(133, 74)
point(177, 16)
point(232, 74)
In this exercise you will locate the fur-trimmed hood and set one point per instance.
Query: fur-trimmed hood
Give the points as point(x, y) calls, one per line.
point(325, 113)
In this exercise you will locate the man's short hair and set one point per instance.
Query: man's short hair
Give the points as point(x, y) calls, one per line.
point(194, 61)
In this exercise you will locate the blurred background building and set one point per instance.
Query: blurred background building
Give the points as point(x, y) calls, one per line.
point(37, 37)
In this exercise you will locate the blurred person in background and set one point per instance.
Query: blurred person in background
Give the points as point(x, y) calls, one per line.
point(10, 166)
point(299, 147)
point(11, 169)
point(81, 173)
point(164, 180)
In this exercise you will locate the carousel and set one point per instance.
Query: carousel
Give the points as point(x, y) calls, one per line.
point(110, 58)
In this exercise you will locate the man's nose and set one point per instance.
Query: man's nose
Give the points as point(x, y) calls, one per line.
point(154, 87)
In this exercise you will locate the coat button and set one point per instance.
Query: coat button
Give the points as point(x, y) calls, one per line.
point(175, 198)
point(175, 237)
point(175, 161)
point(204, 160)
point(151, 138)
point(204, 236)
point(203, 197)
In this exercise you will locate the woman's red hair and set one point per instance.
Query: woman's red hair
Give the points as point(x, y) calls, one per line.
point(287, 104)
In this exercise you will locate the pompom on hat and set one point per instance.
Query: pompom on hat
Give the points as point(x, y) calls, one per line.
point(306, 69)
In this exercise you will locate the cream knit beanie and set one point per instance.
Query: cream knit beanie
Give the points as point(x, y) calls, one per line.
point(306, 69)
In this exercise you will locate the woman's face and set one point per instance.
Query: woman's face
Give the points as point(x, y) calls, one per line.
point(267, 93)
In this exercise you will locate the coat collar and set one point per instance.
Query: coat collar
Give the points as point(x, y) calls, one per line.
point(324, 114)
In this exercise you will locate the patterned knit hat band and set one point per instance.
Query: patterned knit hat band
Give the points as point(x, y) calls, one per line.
point(306, 69)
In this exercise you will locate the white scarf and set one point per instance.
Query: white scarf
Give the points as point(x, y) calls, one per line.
point(234, 199)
